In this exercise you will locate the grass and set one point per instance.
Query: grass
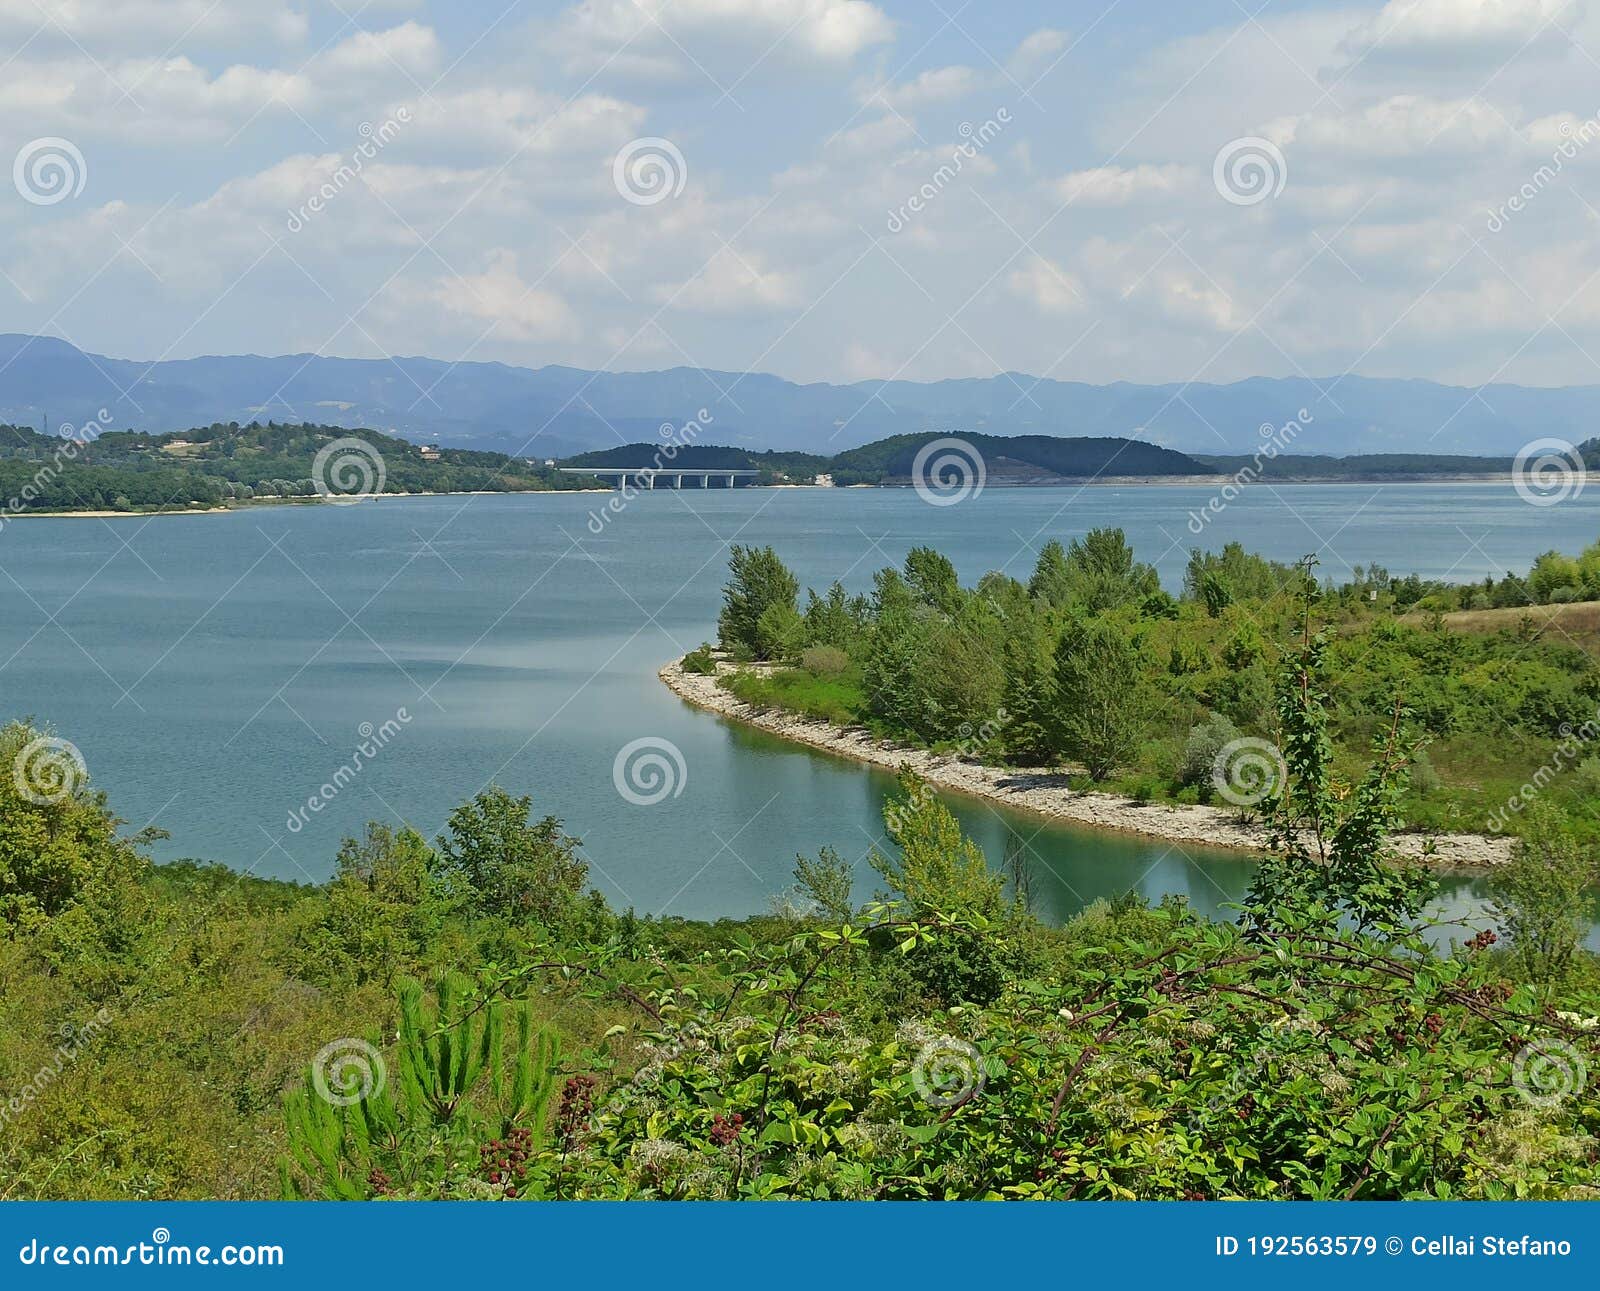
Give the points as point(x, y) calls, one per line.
point(1575, 624)
point(839, 699)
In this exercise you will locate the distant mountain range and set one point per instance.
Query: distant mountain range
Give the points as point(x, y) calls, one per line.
point(561, 411)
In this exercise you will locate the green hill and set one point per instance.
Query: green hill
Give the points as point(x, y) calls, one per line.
point(218, 464)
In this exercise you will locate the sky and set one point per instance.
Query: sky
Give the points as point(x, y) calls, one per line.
point(829, 190)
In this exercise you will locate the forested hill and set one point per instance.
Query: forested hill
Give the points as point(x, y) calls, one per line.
point(1019, 459)
point(774, 466)
point(126, 470)
point(1042, 459)
point(1015, 460)
point(226, 462)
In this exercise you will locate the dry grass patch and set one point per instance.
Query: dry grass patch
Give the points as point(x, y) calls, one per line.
point(1577, 624)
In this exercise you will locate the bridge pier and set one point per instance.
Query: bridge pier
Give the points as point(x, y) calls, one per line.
point(645, 476)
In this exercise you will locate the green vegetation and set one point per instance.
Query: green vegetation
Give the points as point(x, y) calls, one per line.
point(1017, 455)
point(226, 463)
point(222, 464)
point(1359, 466)
point(1090, 665)
point(776, 467)
point(1021, 458)
point(759, 618)
point(464, 1019)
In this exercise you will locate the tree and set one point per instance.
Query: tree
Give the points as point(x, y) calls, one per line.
point(1102, 574)
point(758, 581)
point(825, 884)
point(384, 906)
point(1234, 573)
point(1050, 581)
point(1329, 844)
point(963, 673)
point(1541, 896)
point(939, 868)
point(942, 880)
point(780, 633)
point(59, 846)
point(836, 620)
point(896, 648)
point(932, 577)
point(1101, 710)
point(495, 861)
point(1027, 654)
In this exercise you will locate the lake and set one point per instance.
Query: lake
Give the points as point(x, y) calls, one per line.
point(217, 670)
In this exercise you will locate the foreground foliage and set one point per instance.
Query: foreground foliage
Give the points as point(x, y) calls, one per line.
point(463, 1019)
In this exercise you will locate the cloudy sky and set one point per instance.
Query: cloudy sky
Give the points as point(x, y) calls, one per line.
point(1148, 190)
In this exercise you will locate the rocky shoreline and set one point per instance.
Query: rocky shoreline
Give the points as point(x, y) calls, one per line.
point(1044, 792)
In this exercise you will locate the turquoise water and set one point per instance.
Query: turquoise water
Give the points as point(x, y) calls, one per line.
point(217, 670)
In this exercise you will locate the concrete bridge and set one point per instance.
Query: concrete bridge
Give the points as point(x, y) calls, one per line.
point(646, 475)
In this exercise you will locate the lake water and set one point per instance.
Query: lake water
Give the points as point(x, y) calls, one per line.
point(216, 670)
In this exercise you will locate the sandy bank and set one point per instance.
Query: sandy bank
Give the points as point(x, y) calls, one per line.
point(1044, 792)
point(111, 515)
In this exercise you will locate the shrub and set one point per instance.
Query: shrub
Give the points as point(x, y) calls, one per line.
point(824, 661)
point(701, 661)
point(1541, 897)
point(1200, 752)
point(1424, 779)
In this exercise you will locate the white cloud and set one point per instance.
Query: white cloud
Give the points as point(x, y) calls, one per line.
point(1406, 127)
point(100, 24)
point(409, 49)
point(497, 122)
point(148, 100)
point(1038, 53)
point(939, 85)
point(1046, 286)
point(685, 39)
point(873, 138)
point(1565, 131)
point(499, 298)
point(1119, 185)
point(735, 282)
point(1456, 27)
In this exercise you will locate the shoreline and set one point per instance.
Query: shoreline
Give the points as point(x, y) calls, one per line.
point(1191, 481)
point(1063, 482)
point(1042, 792)
point(246, 504)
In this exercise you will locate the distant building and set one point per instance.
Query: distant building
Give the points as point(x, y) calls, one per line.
point(823, 481)
point(430, 452)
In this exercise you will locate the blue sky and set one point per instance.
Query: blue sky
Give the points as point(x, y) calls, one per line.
point(853, 189)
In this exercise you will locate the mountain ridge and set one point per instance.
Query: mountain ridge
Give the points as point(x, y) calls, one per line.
point(559, 411)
